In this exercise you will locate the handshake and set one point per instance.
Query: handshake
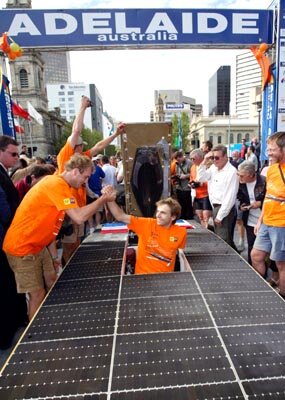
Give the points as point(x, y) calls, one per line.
point(109, 193)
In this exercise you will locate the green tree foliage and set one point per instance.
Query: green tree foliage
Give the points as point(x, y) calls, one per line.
point(91, 137)
point(180, 125)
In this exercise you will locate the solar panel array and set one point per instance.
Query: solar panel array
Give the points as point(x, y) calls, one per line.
point(217, 332)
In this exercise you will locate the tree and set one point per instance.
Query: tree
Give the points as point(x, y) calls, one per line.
point(180, 130)
point(89, 136)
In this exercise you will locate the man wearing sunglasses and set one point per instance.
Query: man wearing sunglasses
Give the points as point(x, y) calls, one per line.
point(223, 186)
point(270, 228)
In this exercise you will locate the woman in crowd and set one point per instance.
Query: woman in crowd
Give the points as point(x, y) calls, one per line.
point(202, 205)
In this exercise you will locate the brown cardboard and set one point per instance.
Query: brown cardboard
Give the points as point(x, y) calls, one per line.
point(138, 135)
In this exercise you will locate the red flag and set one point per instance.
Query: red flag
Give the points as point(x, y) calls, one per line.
point(18, 127)
point(19, 111)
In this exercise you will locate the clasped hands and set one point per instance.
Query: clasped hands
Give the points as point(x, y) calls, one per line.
point(109, 193)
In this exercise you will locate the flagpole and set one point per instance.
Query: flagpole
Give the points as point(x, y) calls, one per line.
point(31, 140)
point(20, 134)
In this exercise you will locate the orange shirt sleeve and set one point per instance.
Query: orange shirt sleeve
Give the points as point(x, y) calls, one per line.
point(63, 156)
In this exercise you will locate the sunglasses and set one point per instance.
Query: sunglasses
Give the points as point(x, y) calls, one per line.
point(216, 158)
point(13, 154)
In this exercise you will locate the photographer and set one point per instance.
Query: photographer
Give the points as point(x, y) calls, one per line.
point(202, 205)
point(181, 180)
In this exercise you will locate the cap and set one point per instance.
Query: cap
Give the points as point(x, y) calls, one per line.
point(98, 157)
point(80, 141)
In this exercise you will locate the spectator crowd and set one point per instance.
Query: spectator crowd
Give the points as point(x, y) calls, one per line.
point(48, 206)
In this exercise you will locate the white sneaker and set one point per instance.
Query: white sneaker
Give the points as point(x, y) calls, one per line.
point(240, 246)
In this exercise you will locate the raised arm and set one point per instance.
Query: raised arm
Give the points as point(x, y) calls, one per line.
point(78, 122)
point(100, 146)
point(118, 213)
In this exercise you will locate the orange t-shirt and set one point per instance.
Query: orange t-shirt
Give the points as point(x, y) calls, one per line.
point(66, 152)
point(157, 245)
point(39, 217)
point(173, 167)
point(274, 211)
point(202, 190)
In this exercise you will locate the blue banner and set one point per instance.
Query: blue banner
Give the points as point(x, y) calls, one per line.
point(7, 120)
point(269, 111)
point(97, 28)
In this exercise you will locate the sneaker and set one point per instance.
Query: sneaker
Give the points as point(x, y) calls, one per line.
point(240, 246)
point(91, 230)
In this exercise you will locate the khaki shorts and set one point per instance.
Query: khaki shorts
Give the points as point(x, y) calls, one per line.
point(30, 271)
point(78, 232)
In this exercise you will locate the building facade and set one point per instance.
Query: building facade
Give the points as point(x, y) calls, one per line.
point(248, 85)
point(67, 97)
point(220, 91)
point(56, 67)
point(222, 130)
point(27, 77)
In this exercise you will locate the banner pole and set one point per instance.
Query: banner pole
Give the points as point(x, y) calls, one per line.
point(31, 140)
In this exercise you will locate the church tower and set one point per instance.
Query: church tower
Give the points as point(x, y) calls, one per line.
point(159, 111)
point(27, 76)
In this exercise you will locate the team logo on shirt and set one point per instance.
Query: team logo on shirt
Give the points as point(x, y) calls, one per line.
point(69, 201)
point(173, 239)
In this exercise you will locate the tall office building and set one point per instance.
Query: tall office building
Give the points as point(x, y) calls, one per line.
point(67, 97)
point(56, 67)
point(220, 91)
point(248, 85)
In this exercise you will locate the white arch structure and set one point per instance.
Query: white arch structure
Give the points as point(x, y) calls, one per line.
point(160, 28)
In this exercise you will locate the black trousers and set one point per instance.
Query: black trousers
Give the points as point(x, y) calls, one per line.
point(185, 200)
point(226, 229)
point(13, 307)
point(250, 240)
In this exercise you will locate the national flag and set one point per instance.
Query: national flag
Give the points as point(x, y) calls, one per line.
point(33, 113)
point(19, 111)
point(18, 127)
point(108, 126)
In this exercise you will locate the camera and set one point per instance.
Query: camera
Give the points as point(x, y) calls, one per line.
point(195, 185)
point(175, 179)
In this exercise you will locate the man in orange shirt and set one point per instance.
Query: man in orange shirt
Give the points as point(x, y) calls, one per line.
point(270, 229)
point(159, 238)
point(74, 145)
point(30, 240)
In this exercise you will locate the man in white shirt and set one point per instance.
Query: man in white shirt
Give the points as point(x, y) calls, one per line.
point(110, 172)
point(223, 186)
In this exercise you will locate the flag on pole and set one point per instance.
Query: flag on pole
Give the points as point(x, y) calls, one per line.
point(19, 111)
point(18, 127)
point(33, 113)
point(108, 126)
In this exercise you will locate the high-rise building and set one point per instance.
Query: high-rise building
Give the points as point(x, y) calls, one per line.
point(248, 85)
point(56, 67)
point(67, 97)
point(220, 91)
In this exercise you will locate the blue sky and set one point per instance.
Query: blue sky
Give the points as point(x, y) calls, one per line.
point(127, 79)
